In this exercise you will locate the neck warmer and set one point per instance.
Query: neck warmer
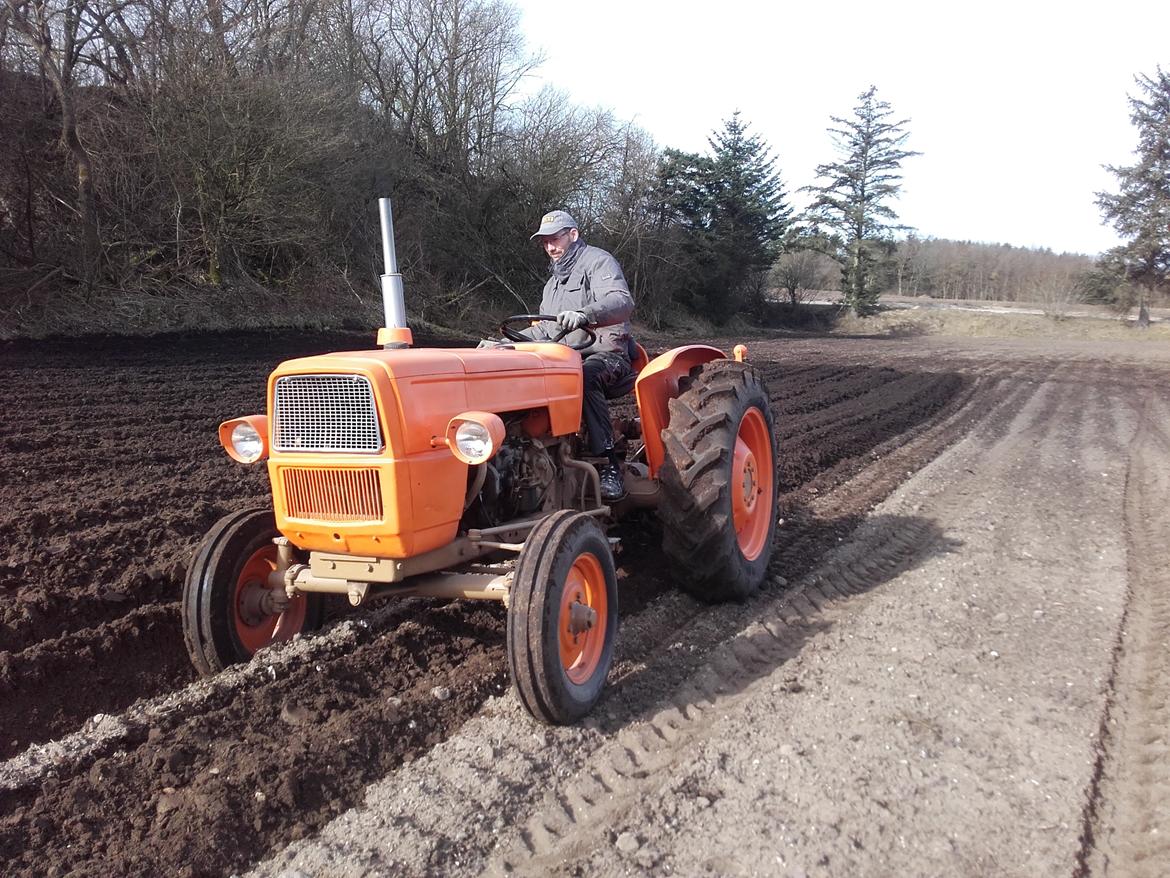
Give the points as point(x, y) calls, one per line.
point(564, 265)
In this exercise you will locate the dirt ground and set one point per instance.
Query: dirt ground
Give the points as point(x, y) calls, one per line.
point(957, 666)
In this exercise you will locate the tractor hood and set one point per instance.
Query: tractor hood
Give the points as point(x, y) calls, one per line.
point(420, 362)
point(359, 462)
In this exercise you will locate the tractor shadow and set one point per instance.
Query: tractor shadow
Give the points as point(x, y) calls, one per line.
point(678, 645)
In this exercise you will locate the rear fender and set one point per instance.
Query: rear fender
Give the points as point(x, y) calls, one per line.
point(658, 384)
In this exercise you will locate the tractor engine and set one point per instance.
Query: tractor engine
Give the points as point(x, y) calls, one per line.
point(521, 480)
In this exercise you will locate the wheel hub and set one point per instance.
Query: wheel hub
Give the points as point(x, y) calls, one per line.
point(750, 482)
point(257, 603)
point(251, 604)
point(581, 622)
point(581, 617)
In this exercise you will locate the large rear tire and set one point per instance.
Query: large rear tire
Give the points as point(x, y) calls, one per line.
point(223, 619)
point(562, 618)
point(719, 482)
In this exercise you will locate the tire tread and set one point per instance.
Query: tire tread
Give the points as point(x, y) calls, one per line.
point(698, 535)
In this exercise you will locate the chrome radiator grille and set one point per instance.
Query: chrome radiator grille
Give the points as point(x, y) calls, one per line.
point(325, 413)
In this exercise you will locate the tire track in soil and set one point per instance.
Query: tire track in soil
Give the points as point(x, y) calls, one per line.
point(254, 731)
point(572, 819)
point(824, 522)
point(815, 525)
point(1129, 808)
point(574, 816)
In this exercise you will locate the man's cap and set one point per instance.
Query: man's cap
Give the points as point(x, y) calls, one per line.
point(553, 221)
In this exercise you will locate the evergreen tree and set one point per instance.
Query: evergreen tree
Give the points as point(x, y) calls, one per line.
point(1141, 210)
point(731, 206)
point(853, 200)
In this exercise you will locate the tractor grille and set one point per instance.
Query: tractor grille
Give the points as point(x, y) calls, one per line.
point(333, 495)
point(325, 413)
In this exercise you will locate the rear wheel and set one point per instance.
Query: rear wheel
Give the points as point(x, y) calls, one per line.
point(562, 617)
point(719, 482)
point(228, 611)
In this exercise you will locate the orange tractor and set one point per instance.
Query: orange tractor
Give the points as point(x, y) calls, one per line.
point(457, 472)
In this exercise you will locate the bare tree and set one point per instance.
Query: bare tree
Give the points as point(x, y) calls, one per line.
point(801, 273)
point(239, 143)
point(1057, 293)
point(61, 33)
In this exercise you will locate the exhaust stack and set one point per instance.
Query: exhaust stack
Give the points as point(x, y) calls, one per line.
point(395, 334)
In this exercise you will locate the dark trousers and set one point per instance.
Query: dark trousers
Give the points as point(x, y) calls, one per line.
point(605, 376)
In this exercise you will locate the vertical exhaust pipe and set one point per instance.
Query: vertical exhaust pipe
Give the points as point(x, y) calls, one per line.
point(395, 333)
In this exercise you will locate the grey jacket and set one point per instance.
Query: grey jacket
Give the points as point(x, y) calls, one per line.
point(596, 286)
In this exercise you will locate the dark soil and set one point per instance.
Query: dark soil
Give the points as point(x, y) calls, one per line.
point(112, 474)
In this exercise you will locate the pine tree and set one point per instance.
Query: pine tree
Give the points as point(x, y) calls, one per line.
point(853, 200)
point(1141, 210)
point(731, 205)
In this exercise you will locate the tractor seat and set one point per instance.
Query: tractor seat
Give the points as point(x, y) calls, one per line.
point(638, 361)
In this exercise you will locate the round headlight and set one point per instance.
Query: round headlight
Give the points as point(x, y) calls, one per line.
point(474, 441)
point(249, 444)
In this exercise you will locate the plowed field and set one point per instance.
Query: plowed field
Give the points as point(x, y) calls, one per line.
point(120, 761)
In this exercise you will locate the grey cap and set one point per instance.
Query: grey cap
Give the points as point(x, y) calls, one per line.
point(553, 221)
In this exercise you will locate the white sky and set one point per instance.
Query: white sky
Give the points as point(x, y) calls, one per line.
point(1014, 105)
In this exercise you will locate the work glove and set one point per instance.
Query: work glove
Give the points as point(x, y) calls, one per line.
point(488, 343)
point(570, 320)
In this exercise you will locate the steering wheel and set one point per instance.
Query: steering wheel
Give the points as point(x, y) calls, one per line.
point(514, 335)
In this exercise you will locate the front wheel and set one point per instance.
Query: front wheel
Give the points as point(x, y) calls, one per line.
point(562, 617)
point(228, 611)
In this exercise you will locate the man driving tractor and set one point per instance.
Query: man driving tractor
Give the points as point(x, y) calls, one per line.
point(587, 288)
point(385, 483)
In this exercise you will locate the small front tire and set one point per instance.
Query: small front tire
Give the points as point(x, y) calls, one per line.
point(224, 620)
point(562, 618)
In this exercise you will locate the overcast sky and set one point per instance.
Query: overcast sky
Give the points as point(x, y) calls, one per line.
point(1014, 105)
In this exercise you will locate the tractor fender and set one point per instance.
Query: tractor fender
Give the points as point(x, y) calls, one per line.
point(657, 384)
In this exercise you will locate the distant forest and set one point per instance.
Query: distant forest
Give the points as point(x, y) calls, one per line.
point(180, 163)
point(965, 270)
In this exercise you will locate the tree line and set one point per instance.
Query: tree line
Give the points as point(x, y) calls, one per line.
point(976, 271)
point(198, 150)
point(185, 144)
point(181, 146)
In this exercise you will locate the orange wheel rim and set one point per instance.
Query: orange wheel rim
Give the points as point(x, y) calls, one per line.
point(751, 483)
point(254, 628)
point(583, 618)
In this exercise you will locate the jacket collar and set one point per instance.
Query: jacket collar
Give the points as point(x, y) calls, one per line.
point(563, 266)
